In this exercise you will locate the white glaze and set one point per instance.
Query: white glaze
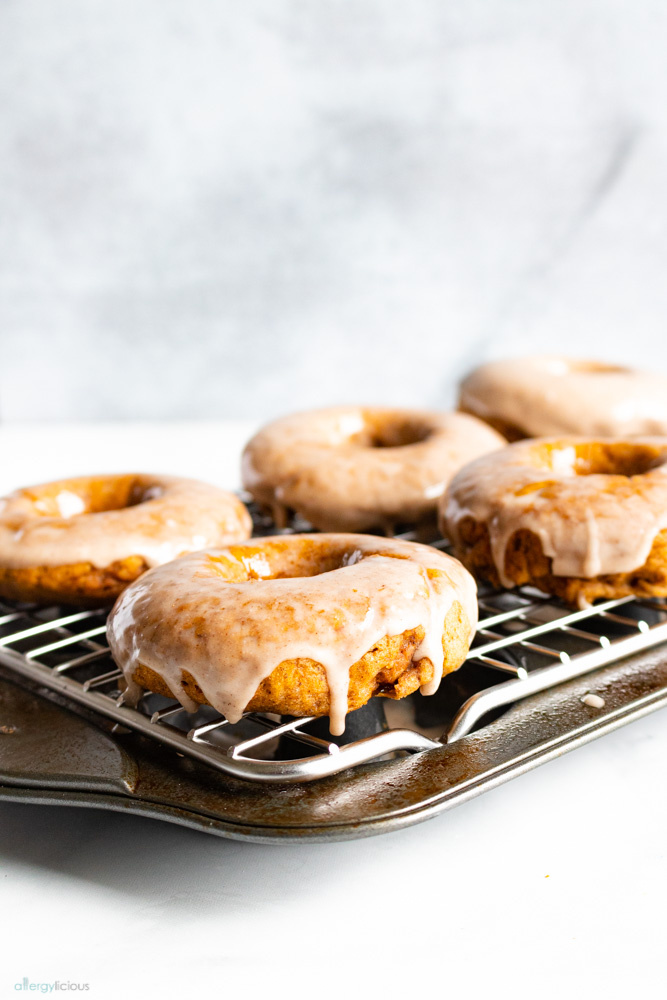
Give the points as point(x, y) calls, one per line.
point(553, 395)
point(176, 516)
point(231, 635)
point(323, 464)
point(589, 525)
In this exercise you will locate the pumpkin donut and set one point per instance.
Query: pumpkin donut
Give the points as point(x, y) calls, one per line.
point(353, 468)
point(575, 517)
point(297, 625)
point(540, 396)
point(81, 541)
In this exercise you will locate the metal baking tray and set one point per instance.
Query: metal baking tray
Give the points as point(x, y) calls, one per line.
point(540, 680)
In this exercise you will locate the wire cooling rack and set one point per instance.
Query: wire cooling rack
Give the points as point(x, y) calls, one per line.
point(526, 643)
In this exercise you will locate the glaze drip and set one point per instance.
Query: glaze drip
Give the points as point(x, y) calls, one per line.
point(229, 628)
point(596, 506)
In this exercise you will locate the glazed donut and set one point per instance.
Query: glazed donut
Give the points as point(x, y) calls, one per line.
point(81, 541)
point(541, 396)
point(577, 517)
point(351, 468)
point(297, 625)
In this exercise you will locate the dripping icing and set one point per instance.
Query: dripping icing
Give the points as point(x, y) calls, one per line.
point(381, 588)
point(588, 525)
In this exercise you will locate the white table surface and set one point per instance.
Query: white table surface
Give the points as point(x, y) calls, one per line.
point(549, 886)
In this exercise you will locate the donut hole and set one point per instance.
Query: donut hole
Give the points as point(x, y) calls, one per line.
point(287, 560)
point(596, 368)
point(92, 495)
point(393, 433)
point(596, 458)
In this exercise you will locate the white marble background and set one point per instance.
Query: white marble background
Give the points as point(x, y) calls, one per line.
point(210, 209)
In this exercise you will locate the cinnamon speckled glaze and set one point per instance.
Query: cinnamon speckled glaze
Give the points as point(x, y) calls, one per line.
point(578, 517)
point(539, 396)
point(351, 468)
point(82, 540)
point(301, 624)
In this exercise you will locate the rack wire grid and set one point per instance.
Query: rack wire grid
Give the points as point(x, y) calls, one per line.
point(525, 644)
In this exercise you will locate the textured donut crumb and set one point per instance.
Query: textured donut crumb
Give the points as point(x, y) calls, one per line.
point(526, 563)
point(299, 687)
point(79, 583)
